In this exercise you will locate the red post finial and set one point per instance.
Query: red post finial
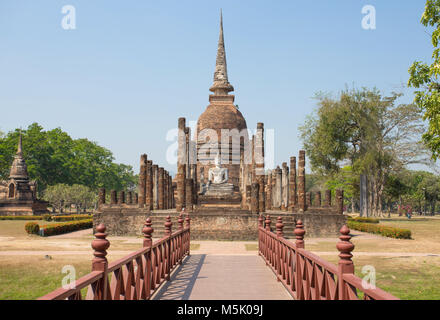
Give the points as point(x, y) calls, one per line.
point(267, 223)
point(280, 227)
point(345, 247)
point(168, 225)
point(148, 231)
point(188, 220)
point(180, 221)
point(100, 245)
point(260, 221)
point(299, 233)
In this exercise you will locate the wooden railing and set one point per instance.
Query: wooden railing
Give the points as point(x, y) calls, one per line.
point(305, 275)
point(138, 275)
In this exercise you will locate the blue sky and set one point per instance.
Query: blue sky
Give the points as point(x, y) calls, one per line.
point(131, 68)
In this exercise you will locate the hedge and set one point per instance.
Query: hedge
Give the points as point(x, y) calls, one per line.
point(65, 227)
point(363, 219)
point(32, 228)
point(21, 217)
point(72, 217)
point(385, 231)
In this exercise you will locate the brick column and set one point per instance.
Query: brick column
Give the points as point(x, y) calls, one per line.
point(149, 186)
point(328, 198)
point(278, 188)
point(318, 199)
point(121, 197)
point(160, 188)
point(309, 199)
point(254, 198)
point(142, 176)
point(155, 186)
point(171, 192)
point(259, 166)
point(129, 197)
point(165, 189)
point(292, 184)
point(269, 191)
point(181, 169)
point(113, 197)
point(302, 181)
point(189, 196)
point(101, 197)
point(248, 196)
point(340, 201)
point(181, 177)
point(285, 187)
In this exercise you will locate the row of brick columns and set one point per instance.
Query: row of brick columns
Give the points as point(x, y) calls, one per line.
point(120, 197)
point(285, 190)
point(155, 186)
point(155, 189)
point(186, 178)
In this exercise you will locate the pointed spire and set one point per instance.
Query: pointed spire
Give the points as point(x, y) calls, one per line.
point(20, 147)
point(221, 84)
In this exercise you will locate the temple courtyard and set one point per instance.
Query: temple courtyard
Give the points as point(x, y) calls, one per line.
point(31, 266)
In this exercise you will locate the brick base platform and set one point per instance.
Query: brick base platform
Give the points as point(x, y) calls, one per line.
point(220, 223)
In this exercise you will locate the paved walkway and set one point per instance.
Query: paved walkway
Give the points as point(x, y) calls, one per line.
point(223, 277)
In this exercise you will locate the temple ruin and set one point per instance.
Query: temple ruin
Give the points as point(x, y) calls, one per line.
point(222, 180)
point(18, 195)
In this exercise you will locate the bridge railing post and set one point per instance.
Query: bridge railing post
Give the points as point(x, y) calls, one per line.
point(345, 265)
point(148, 242)
point(188, 225)
point(168, 252)
point(267, 241)
point(99, 263)
point(181, 239)
point(260, 235)
point(279, 248)
point(299, 244)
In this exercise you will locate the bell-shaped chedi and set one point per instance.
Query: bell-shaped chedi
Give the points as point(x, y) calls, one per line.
point(18, 168)
point(221, 116)
point(18, 194)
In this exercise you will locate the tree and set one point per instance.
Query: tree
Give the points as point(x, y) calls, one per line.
point(80, 196)
point(347, 180)
point(366, 131)
point(57, 195)
point(61, 195)
point(425, 78)
point(53, 157)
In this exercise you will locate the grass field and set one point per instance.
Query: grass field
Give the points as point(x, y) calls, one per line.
point(403, 267)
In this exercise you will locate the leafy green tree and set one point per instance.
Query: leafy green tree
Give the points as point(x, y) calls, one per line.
point(80, 196)
point(425, 76)
point(53, 157)
point(57, 195)
point(366, 131)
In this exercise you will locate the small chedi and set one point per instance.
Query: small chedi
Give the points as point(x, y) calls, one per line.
point(18, 194)
point(221, 180)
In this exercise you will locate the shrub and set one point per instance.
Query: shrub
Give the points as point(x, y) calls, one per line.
point(72, 217)
point(364, 219)
point(32, 228)
point(65, 227)
point(21, 218)
point(47, 217)
point(385, 231)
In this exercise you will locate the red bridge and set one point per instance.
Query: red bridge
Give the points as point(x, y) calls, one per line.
point(166, 270)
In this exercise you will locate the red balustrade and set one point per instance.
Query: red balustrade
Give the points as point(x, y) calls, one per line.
point(307, 276)
point(136, 276)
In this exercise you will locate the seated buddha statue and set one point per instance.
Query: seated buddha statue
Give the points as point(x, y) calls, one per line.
point(218, 175)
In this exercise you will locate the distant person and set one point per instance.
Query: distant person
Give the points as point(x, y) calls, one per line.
point(408, 211)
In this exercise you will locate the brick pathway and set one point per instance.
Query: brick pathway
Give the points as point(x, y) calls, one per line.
point(223, 277)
